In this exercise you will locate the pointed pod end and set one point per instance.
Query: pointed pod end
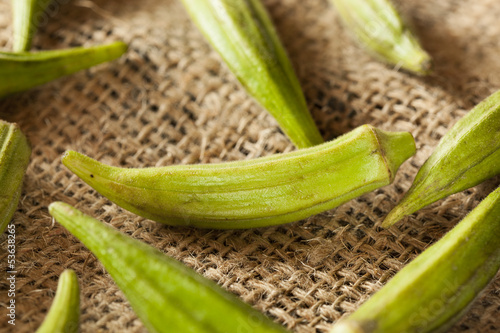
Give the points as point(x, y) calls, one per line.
point(79, 164)
point(409, 54)
point(419, 62)
point(394, 216)
point(67, 155)
point(117, 49)
point(426, 65)
point(58, 207)
point(68, 274)
point(396, 147)
point(68, 158)
point(68, 281)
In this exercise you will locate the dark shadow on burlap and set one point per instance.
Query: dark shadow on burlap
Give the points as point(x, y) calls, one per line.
point(170, 100)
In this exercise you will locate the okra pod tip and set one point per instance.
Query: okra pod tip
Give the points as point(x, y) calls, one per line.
point(380, 28)
point(467, 155)
point(64, 314)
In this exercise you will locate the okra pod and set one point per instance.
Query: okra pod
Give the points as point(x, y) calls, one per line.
point(15, 154)
point(254, 193)
point(22, 71)
point(64, 314)
point(26, 17)
point(381, 30)
point(434, 290)
point(165, 294)
point(243, 34)
point(466, 156)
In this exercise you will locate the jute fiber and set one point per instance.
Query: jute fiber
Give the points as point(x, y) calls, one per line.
point(170, 100)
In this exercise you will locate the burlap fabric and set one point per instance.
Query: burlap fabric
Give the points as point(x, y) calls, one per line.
point(170, 100)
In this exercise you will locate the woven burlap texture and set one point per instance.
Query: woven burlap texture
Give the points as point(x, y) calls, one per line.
point(170, 100)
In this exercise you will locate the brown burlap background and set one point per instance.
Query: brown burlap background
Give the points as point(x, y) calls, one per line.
point(170, 100)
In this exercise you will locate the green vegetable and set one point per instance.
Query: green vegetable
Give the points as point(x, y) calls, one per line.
point(64, 314)
point(434, 290)
point(466, 156)
point(26, 16)
point(14, 158)
point(254, 193)
point(22, 71)
point(165, 294)
point(243, 34)
point(380, 29)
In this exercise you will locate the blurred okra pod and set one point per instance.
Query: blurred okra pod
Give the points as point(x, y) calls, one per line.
point(466, 156)
point(22, 71)
point(64, 314)
point(243, 34)
point(26, 17)
point(15, 154)
point(254, 193)
point(165, 294)
point(434, 290)
point(381, 30)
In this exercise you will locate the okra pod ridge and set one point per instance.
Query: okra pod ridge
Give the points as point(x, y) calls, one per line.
point(435, 289)
point(15, 153)
point(165, 294)
point(64, 314)
point(256, 193)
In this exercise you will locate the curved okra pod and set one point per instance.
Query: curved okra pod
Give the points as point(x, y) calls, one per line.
point(64, 314)
point(243, 34)
point(254, 193)
point(14, 158)
point(165, 294)
point(466, 156)
point(22, 71)
point(379, 27)
point(26, 16)
point(434, 290)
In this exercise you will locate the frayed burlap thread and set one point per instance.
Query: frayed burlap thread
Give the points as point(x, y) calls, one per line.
point(170, 100)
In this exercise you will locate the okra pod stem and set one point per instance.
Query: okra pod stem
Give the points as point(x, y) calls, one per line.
point(165, 294)
point(22, 71)
point(381, 30)
point(243, 34)
point(434, 290)
point(254, 193)
point(15, 154)
point(64, 314)
point(26, 17)
point(466, 156)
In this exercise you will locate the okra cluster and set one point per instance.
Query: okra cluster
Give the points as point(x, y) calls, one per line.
point(318, 176)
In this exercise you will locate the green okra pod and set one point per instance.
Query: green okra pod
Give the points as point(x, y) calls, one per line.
point(434, 290)
point(27, 14)
point(64, 314)
point(22, 71)
point(379, 27)
point(254, 193)
point(15, 154)
point(243, 34)
point(164, 293)
point(466, 156)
